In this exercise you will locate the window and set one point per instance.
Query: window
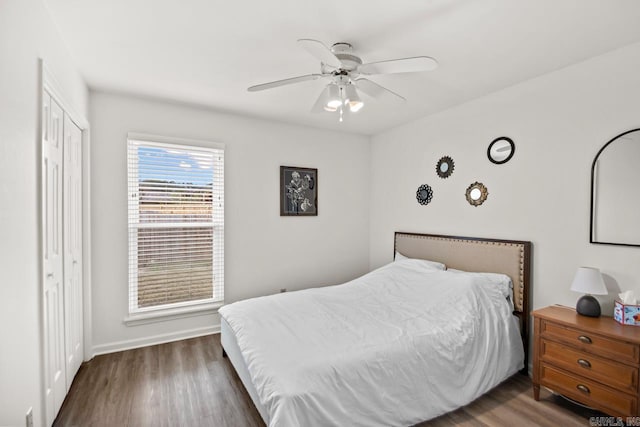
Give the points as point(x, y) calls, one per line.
point(176, 224)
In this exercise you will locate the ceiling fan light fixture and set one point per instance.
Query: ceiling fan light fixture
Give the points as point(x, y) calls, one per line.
point(334, 98)
point(352, 99)
point(355, 106)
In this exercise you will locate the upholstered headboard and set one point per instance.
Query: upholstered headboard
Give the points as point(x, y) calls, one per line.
point(510, 257)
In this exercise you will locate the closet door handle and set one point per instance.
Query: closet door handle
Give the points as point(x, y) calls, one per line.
point(585, 339)
point(583, 388)
point(584, 363)
point(50, 275)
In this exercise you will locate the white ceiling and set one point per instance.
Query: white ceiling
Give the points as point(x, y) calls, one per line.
point(207, 52)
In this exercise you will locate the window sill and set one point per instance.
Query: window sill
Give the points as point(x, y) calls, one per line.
point(171, 314)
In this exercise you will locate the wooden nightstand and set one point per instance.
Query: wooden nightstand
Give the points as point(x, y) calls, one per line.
point(595, 361)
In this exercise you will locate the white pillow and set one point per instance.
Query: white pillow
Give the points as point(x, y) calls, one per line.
point(502, 280)
point(433, 264)
point(399, 257)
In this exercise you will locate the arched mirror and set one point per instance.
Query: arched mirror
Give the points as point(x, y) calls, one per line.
point(445, 166)
point(501, 150)
point(424, 194)
point(476, 194)
point(615, 204)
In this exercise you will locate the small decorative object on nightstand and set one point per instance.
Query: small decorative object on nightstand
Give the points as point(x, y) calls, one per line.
point(594, 361)
point(588, 281)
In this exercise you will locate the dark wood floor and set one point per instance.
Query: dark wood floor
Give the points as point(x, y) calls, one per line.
point(188, 383)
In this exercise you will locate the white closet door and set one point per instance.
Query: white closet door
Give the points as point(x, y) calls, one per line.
point(53, 292)
point(72, 195)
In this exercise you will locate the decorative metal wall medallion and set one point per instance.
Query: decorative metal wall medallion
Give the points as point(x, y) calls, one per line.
point(424, 194)
point(476, 193)
point(445, 167)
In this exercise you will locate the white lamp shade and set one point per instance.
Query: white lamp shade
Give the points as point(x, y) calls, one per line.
point(589, 280)
point(352, 98)
point(324, 98)
point(334, 99)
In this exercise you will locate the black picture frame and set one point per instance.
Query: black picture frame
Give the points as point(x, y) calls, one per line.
point(298, 191)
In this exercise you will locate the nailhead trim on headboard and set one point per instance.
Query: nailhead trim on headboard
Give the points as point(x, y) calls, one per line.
point(518, 287)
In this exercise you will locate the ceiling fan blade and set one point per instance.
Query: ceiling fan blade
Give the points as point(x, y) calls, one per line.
point(374, 90)
point(320, 51)
point(283, 82)
point(404, 65)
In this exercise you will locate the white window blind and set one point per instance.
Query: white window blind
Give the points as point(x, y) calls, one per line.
point(176, 224)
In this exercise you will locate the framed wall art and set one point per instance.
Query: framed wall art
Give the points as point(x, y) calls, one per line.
point(298, 191)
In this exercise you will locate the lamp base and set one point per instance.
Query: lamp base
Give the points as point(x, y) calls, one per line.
point(588, 306)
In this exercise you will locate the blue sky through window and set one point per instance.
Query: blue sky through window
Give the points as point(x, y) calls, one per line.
point(175, 165)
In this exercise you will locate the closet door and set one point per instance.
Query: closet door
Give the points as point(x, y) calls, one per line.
point(72, 196)
point(53, 292)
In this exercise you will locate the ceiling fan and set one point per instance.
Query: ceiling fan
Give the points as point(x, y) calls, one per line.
point(345, 72)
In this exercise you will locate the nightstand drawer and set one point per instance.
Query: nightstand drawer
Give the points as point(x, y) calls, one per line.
point(606, 371)
point(591, 342)
point(589, 392)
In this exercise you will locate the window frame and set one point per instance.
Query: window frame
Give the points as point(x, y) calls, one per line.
point(140, 315)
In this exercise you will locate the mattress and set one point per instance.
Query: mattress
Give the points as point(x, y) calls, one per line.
point(400, 345)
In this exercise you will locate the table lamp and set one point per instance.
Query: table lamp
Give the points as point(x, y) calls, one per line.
point(588, 281)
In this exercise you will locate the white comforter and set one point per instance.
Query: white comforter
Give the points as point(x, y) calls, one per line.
point(400, 345)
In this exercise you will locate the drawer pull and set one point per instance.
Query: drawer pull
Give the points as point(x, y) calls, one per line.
point(583, 388)
point(585, 339)
point(584, 363)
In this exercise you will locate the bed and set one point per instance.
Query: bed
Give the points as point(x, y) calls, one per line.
point(402, 344)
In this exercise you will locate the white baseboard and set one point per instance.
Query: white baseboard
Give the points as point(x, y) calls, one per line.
point(153, 340)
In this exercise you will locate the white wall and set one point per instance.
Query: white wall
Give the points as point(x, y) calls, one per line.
point(558, 122)
point(263, 251)
point(26, 34)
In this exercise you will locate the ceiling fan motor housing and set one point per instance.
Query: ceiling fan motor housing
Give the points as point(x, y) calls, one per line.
point(342, 51)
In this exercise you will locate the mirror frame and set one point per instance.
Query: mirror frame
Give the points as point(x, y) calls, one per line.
point(513, 150)
point(483, 193)
point(427, 200)
point(449, 161)
point(593, 168)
